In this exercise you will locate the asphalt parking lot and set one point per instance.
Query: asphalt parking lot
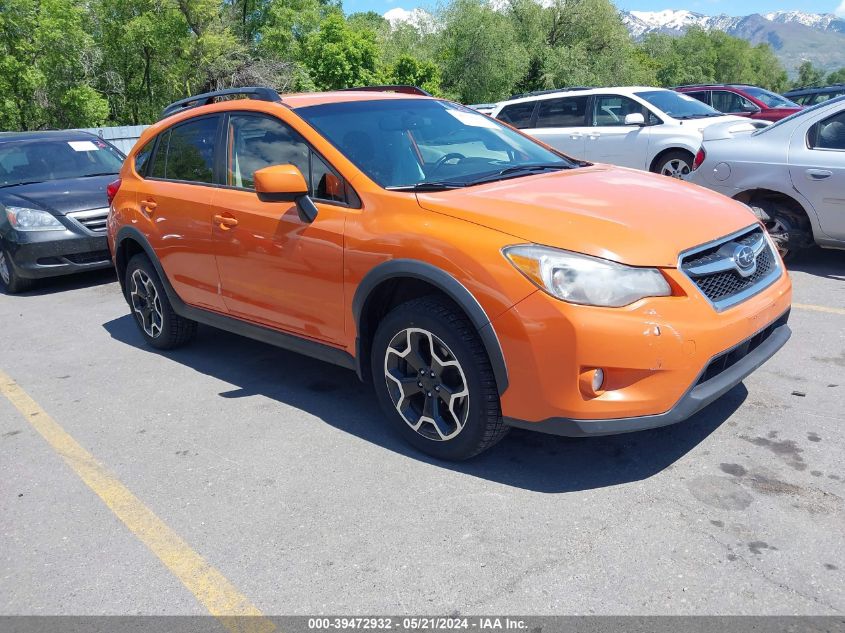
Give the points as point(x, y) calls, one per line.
point(276, 471)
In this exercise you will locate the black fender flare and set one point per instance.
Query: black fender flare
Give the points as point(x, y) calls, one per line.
point(447, 284)
point(130, 232)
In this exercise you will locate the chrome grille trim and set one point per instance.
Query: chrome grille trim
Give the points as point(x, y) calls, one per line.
point(93, 221)
point(718, 275)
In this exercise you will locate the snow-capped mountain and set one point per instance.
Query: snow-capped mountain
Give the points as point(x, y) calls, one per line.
point(795, 36)
point(671, 21)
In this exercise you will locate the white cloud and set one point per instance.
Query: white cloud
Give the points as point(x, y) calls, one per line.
point(841, 10)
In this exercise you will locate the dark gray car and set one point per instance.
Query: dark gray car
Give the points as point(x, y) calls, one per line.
point(53, 204)
point(791, 173)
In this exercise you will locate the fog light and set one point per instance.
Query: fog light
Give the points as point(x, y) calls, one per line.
point(598, 380)
point(591, 382)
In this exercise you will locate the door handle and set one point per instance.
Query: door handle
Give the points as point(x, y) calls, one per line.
point(818, 174)
point(594, 136)
point(576, 136)
point(225, 222)
point(148, 206)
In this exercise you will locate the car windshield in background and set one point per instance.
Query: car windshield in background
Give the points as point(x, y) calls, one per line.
point(771, 99)
point(677, 105)
point(421, 144)
point(805, 112)
point(40, 160)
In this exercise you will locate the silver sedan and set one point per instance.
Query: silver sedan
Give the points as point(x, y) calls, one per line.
point(791, 174)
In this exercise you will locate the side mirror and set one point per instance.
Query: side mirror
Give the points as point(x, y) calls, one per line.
point(750, 108)
point(635, 118)
point(285, 183)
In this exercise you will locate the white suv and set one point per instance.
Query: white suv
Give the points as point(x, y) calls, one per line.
point(645, 128)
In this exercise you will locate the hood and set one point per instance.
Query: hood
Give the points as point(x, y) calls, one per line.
point(703, 124)
point(60, 196)
point(620, 214)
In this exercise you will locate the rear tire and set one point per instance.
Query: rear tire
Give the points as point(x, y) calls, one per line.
point(10, 281)
point(158, 323)
point(674, 164)
point(434, 381)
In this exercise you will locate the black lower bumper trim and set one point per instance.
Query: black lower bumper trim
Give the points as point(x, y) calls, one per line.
point(702, 393)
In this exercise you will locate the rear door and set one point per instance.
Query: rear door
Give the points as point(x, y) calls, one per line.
point(561, 122)
point(817, 168)
point(609, 140)
point(275, 269)
point(175, 196)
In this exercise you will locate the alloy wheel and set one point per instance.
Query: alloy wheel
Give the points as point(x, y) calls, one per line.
point(5, 275)
point(427, 384)
point(675, 168)
point(779, 229)
point(146, 303)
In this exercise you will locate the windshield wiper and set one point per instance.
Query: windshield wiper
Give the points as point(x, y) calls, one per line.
point(522, 170)
point(26, 182)
point(105, 173)
point(427, 186)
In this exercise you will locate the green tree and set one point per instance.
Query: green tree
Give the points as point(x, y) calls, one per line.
point(808, 75)
point(836, 77)
point(338, 56)
point(481, 58)
point(412, 72)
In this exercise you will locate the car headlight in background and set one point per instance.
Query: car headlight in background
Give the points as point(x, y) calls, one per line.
point(23, 219)
point(586, 280)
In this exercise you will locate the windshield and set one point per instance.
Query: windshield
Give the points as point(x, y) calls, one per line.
point(801, 113)
point(678, 105)
point(771, 99)
point(418, 143)
point(39, 160)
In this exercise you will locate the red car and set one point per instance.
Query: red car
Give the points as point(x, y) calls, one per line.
point(742, 100)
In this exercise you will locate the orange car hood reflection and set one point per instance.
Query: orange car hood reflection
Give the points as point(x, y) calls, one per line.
point(615, 213)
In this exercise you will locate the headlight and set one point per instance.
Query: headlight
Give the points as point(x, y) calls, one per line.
point(24, 219)
point(586, 280)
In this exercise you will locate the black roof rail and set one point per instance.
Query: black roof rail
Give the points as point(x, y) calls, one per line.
point(398, 88)
point(817, 87)
point(535, 93)
point(253, 92)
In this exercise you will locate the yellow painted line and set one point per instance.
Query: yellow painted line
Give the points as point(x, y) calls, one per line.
point(210, 587)
point(815, 308)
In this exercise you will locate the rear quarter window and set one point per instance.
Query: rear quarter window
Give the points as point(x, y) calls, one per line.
point(518, 115)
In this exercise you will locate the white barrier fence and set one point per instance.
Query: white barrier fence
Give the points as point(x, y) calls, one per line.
point(123, 137)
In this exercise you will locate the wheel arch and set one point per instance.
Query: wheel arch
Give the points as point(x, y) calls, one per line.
point(668, 150)
point(773, 195)
point(399, 280)
point(128, 243)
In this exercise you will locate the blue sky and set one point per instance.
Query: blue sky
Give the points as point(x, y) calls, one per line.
point(710, 7)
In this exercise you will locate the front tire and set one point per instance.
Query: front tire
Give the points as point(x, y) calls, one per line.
point(675, 164)
point(158, 323)
point(434, 380)
point(10, 281)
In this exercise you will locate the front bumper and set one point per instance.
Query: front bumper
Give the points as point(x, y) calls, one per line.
point(722, 373)
point(39, 254)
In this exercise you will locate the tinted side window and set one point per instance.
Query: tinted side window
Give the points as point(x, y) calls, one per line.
point(142, 158)
point(156, 169)
point(611, 110)
point(701, 95)
point(566, 112)
point(829, 134)
point(255, 142)
point(190, 152)
point(725, 101)
point(517, 114)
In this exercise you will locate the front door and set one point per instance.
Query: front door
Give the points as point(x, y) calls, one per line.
point(275, 269)
point(609, 140)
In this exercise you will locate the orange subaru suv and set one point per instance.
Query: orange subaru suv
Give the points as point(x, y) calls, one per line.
point(479, 279)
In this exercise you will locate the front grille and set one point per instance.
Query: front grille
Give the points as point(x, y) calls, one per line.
point(717, 273)
point(93, 220)
point(88, 258)
point(731, 357)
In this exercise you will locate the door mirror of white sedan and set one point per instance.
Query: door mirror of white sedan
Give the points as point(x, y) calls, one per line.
point(635, 118)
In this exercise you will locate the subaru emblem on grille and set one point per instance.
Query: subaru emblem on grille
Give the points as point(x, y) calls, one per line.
point(744, 259)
